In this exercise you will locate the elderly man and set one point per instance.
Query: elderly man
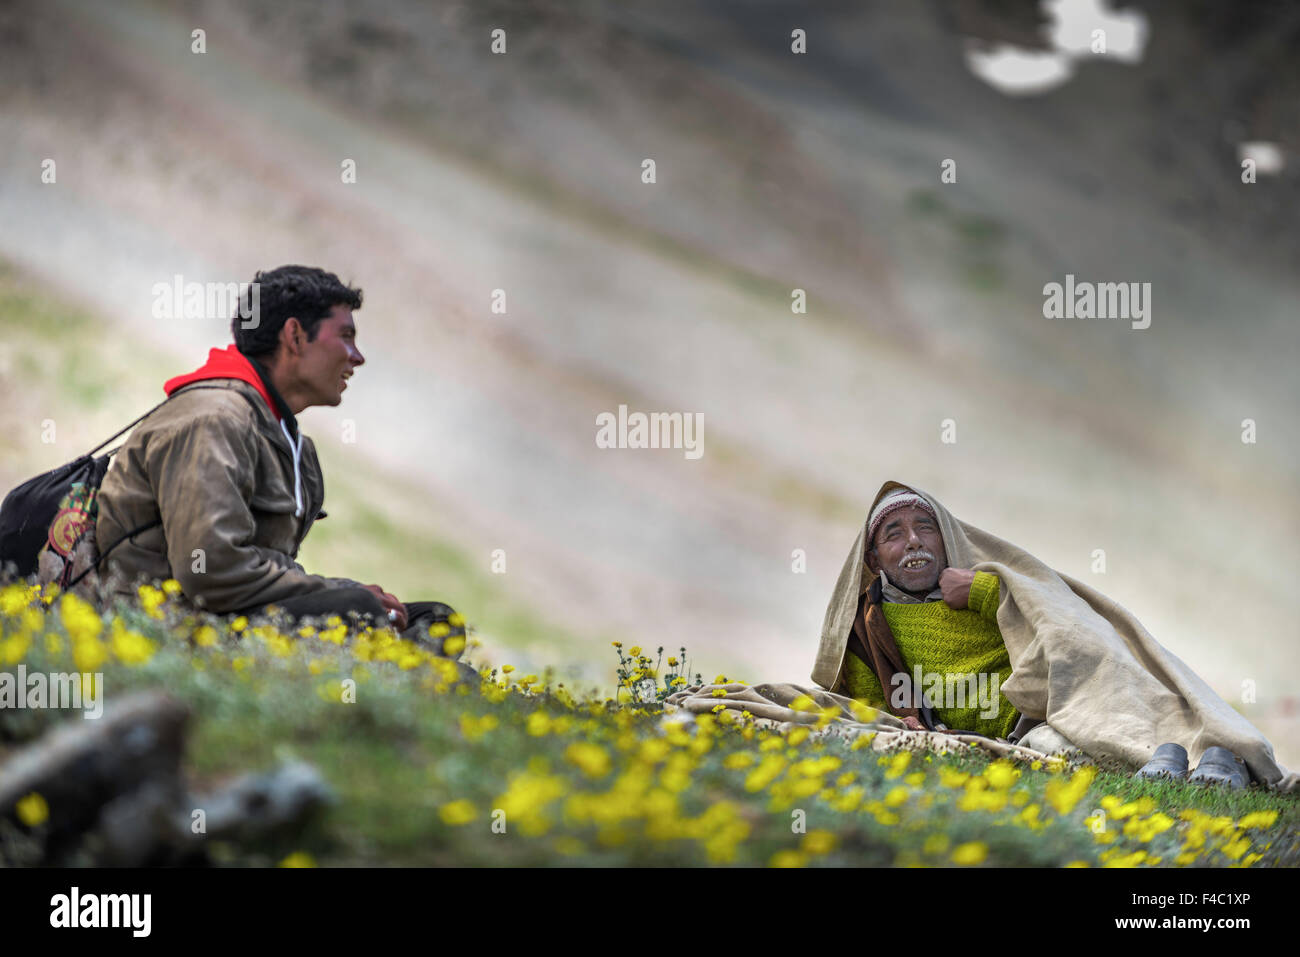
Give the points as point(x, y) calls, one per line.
point(943, 620)
point(1016, 651)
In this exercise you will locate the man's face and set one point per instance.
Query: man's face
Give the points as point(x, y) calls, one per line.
point(905, 538)
point(327, 361)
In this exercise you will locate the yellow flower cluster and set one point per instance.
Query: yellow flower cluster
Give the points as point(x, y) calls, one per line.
point(1064, 795)
point(527, 797)
point(1206, 833)
point(614, 776)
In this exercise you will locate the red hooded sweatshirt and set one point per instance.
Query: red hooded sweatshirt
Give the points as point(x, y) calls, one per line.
point(227, 363)
point(230, 363)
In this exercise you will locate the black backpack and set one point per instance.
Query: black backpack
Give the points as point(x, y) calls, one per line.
point(55, 510)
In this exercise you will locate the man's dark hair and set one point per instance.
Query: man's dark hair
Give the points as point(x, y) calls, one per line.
point(302, 292)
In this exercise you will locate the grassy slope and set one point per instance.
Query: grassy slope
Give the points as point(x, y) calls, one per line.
point(589, 784)
point(402, 752)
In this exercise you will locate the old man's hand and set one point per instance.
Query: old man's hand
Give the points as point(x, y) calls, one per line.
point(955, 584)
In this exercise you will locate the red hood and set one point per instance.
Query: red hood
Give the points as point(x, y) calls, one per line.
point(227, 363)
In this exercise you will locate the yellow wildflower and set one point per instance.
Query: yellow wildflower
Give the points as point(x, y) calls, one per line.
point(973, 852)
point(1258, 819)
point(14, 648)
point(862, 712)
point(896, 797)
point(818, 842)
point(1001, 773)
point(765, 773)
point(1126, 860)
point(526, 798)
point(151, 599)
point(457, 813)
point(298, 859)
point(130, 647)
point(474, 728)
point(898, 764)
point(89, 654)
point(591, 758)
point(13, 599)
point(1234, 849)
point(1143, 829)
point(79, 618)
point(788, 859)
point(654, 750)
point(935, 844)
point(1064, 795)
point(539, 724)
point(950, 778)
point(32, 810)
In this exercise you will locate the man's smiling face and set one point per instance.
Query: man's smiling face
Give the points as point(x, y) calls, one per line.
point(910, 549)
point(329, 360)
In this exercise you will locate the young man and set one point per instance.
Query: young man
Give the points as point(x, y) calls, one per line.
point(235, 484)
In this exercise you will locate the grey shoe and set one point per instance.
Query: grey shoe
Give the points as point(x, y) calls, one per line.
point(1170, 760)
point(1221, 766)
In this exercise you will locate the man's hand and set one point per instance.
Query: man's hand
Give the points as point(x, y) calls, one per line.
point(391, 603)
point(955, 584)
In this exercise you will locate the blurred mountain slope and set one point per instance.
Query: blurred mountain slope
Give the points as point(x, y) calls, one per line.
point(775, 171)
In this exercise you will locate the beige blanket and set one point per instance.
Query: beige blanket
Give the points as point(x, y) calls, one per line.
point(770, 704)
point(1078, 660)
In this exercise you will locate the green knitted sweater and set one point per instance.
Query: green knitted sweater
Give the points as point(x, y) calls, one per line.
point(951, 642)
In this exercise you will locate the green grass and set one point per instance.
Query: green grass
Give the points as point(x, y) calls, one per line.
point(400, 754)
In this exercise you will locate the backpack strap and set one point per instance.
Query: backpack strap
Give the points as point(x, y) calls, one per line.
point(135, 531)
point(147, 525)
point(128, 428)
point(104, 554)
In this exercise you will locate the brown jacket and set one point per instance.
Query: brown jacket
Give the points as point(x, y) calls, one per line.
point(214, 463)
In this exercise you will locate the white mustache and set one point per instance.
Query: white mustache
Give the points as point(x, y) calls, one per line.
point(913, 557)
